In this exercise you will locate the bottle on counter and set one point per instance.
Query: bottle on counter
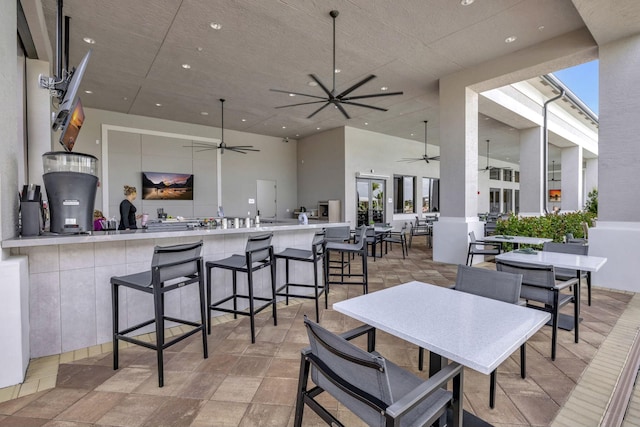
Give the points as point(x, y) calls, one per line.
point(257, 218)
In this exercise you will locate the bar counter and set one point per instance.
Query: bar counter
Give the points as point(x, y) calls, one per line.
point(69, 277)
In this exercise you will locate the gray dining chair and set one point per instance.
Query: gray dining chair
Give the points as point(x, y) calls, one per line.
point(480, 247)
point(539, 285)
point(421, 227)
point(377, 391)
point(492, 284)
point(399, 237)
point(567, 273)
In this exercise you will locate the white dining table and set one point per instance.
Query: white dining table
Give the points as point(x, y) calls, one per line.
point(517, 240)
point(557, 259)
point(475, 331)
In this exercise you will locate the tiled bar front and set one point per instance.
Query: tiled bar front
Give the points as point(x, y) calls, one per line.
point(70, 291)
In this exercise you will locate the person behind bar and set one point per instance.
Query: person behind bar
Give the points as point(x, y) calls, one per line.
point(127, 210)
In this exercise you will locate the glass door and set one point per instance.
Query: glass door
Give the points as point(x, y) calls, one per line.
point(370, 198)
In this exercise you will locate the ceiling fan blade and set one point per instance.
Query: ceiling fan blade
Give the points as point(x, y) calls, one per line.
point(302, 103)
point(324, 88)
point(356, 86)
point(318, 110)
point(342, 110)
point(373, 95)
point(297, 93)
point(357, 104)
point(242, 147)
point(411, 160)
point(434, 158)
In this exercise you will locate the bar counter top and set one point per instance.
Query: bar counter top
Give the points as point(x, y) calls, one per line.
point(141, 234)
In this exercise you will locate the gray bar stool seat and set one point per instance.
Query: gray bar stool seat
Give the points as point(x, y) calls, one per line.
point(172, 267)
point(358, 248)
point(258, 255)
point(315, 255)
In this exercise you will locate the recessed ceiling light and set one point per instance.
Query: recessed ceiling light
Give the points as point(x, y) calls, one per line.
point(338, 70)
point(366, 123)
point(125, 98)
point(158, 104)
point(204, 113)
point(466, 2)
point(186, 66)
point(541, 27)
point(383, 88)
point(89, 40)
point(487, 118)
point(312, 83)
point(199, 49)
point(411, 134)
point(510, 39)
point(284, 127)
point(297, 134)
point(292, 94)
point(317, 128)
point(215, 26)
point(508, 158)
point(88, 91)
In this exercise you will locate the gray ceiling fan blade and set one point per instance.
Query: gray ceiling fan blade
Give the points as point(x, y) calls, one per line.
point(373, 95)
point(356, 86)
point(243, 147)
point(357, 104)
point(297, 93)
point(434, 158)
point(318, 110)
point(301, 103)
point(411, 160)
point(324, 88)
point(342, 110)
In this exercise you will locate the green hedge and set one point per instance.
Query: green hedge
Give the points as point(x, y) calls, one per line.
point(552, 226)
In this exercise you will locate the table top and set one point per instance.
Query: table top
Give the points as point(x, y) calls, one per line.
point(557, 259)
point(477, 332)
point(524, 240)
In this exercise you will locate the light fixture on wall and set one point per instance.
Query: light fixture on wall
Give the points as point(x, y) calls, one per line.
point(203, 146)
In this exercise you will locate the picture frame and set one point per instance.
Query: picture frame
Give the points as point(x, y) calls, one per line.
point(167, 186)
point(555, 195)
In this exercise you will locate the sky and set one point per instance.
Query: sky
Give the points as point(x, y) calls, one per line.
point(583, 81)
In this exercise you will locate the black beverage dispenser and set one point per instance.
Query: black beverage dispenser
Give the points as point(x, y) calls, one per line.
point(31, 212)
point(71, 182)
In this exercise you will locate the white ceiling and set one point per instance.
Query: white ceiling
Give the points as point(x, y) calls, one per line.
point(140, 47)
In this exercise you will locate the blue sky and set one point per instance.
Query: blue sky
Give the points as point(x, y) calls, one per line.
point(583, 81)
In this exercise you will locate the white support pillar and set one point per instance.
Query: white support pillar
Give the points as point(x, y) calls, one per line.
point(571, 166)
point(458, 173)
point(590, 177)
point(531, 173)
point(617, 233)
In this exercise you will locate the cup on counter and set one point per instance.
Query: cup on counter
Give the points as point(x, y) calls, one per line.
point(236, 223)
point(224, 223)
point(145, 218)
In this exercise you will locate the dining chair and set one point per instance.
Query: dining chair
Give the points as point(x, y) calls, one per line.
point(480, 247)
point(377, 391)
point(420, 227)
point(567, 273)
point(399, 237)
point(492, 284)
point(539, 285)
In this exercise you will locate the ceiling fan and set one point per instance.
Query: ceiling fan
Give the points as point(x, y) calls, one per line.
point(425, 157)
point(338, 100)
point(488, 168)
point(204, 146)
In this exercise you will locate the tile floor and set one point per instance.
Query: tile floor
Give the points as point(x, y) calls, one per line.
point(243, 384)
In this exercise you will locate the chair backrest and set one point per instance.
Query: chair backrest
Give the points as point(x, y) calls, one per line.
point(337, 234)
point(566, 248)
point(538, 281)
point(354, 377)
point(317, 244)
point(472, 237)
point(361, 235)
point(258, 247)
point(172, 262)
point(498, 285)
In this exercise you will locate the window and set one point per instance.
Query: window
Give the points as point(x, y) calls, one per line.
point(494, 173)
point(404, 194)
point(430, 195)
point(506, 199)
point(494, 200)
point(516, 175)
point(507, 175)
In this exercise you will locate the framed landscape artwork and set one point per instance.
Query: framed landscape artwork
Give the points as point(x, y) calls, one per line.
point(555, 195)
point(167, 186)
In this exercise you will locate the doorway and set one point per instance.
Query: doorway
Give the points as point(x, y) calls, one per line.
point(370, 199)
point(266, 198)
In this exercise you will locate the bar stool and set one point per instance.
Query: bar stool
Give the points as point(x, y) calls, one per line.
point(357, 248)
point(314, 256)
point(172, 267)
point(341, 234)
point(258, 255)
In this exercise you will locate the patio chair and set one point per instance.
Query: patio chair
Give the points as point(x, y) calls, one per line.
point(492, 284)
point(539, 284)
point(566, 273)
point(421, 227)
point(374, 389)
point(480, 247)
point(399, 237)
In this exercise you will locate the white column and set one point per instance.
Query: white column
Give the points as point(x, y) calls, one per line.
point(590, 177)
point(39, 124)
point(531, 173)
point(617, 233)
point(458, 173)
point(571, 167)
